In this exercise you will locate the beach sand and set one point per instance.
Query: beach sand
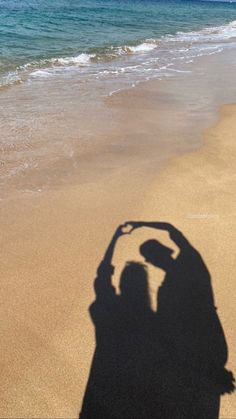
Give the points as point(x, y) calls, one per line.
point(52, 244)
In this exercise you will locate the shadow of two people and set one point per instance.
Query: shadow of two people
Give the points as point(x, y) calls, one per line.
point(167, 364)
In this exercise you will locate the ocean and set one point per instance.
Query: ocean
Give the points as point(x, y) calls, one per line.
point(61, 61)
point(97, 38)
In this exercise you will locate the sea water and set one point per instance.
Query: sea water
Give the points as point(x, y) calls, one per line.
point(96, 38)
point(60, 59)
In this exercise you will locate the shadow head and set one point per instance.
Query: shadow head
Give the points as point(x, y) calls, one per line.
point(157, 254)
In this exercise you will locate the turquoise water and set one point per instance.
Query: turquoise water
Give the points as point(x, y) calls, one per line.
point(61, 60)
point(35, 31)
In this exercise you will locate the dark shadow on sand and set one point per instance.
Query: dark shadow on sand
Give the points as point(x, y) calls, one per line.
point(168, 364)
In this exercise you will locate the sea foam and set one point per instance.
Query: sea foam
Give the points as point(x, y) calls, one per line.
point(144, 56)
point(81, 59)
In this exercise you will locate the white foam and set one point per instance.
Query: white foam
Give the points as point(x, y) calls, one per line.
point(215, 33)
point(10, 78)
point(142, 58)
point(179, 71)
point(81, 59)
point(141, 48)
point(41, 73)
point(145, 47)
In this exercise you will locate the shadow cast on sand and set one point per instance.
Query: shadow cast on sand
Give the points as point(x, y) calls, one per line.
point(168, 364)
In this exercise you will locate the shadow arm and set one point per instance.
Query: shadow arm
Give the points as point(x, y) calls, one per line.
point(103, 281)
point(176, 236)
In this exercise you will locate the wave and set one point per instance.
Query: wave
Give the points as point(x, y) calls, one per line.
point(215, 33)
point(82, 59)
point(140, 48)
point(10, 78)
point(187, 45)
point(41, 73)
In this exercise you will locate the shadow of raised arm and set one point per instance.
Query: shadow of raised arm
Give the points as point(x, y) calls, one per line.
point(103, 283)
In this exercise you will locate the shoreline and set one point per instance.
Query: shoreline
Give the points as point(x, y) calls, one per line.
point(52, 245)
point(57, 141)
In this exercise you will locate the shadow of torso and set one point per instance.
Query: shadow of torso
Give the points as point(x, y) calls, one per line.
point(121, 375)
point(163, 365)
point(192, 339)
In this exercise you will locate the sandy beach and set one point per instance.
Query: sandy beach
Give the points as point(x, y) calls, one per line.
point(114, 112)
point(51, 246)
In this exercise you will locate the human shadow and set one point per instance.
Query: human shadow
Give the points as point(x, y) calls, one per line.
point(168, 364)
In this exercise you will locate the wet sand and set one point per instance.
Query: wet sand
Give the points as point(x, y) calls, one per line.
point(51, 245)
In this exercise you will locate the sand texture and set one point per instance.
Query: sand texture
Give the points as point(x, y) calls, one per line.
point(52, 244)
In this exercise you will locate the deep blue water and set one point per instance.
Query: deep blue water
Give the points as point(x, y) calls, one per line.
point(34, 30)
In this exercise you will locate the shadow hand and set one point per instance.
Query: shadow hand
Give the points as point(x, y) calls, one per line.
point(132, 225)
point(123, 229)
point(226, 382)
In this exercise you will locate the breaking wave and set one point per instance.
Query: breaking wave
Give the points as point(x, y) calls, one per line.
point(182, 45)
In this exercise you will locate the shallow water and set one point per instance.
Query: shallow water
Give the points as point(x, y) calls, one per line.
point(64, 36)
point(55, 133)
point(62, 66)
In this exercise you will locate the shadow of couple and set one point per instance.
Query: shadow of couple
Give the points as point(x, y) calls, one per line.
point(168, 364)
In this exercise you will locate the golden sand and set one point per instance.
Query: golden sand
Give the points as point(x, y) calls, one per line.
point(196, 193)
point(52, 245)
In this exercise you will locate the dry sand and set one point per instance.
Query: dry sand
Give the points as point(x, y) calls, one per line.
point(197, 194)
point(52, 244)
